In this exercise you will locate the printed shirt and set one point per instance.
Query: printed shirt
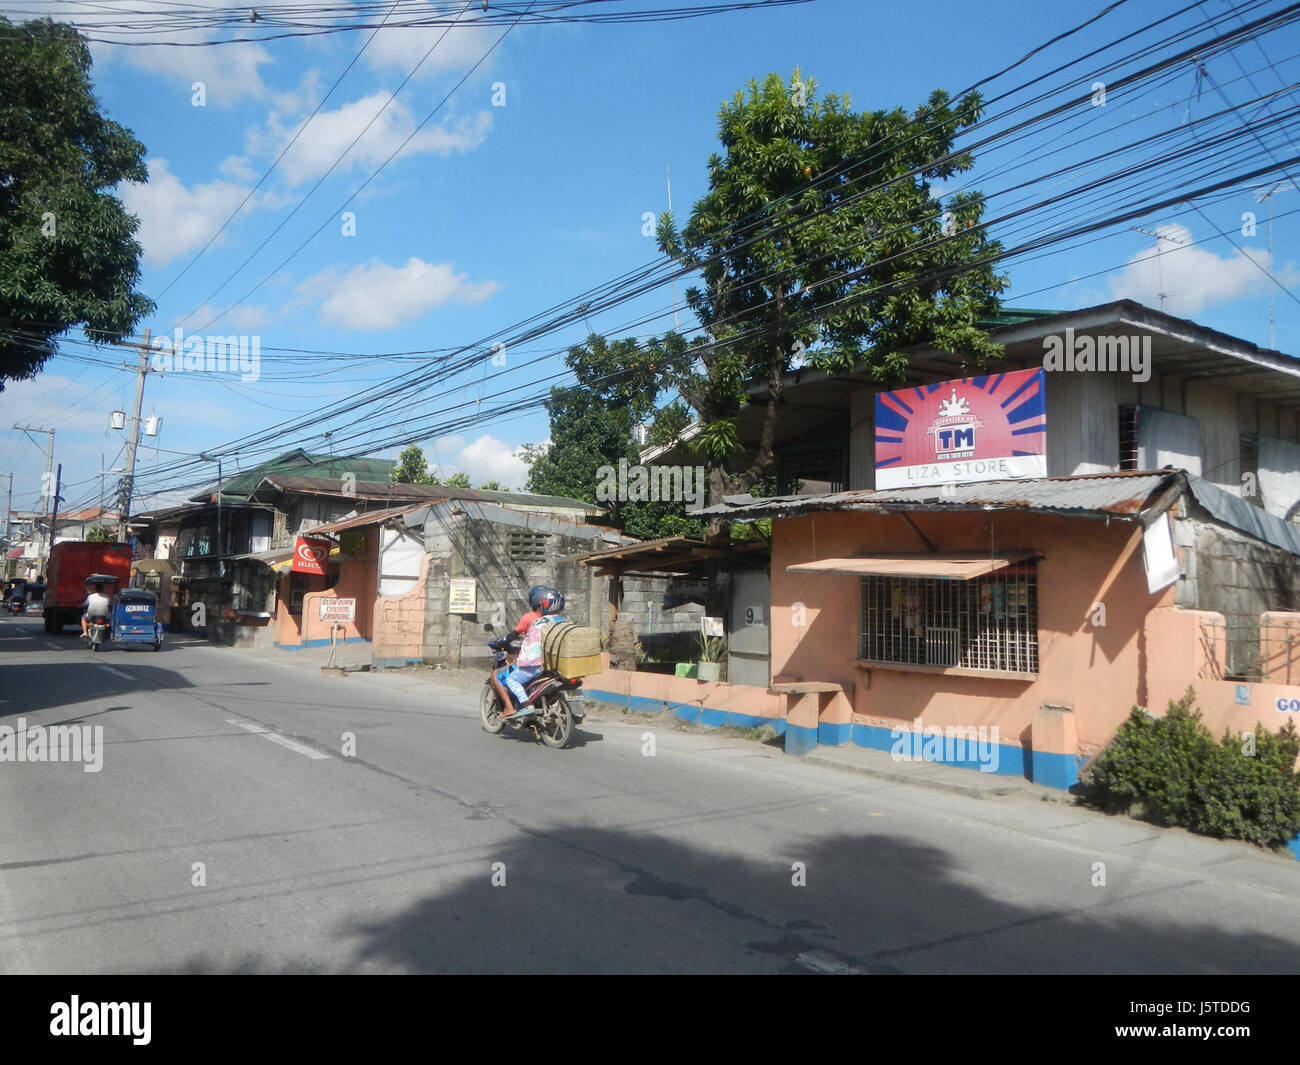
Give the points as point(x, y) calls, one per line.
point(530, 654)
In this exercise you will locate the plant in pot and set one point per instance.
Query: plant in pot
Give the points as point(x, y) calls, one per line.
point(713, 652)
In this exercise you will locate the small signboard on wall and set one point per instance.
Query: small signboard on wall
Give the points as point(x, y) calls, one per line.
point(338, 610)
point(463, 595)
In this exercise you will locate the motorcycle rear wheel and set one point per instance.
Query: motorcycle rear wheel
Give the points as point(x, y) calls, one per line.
point(490, 709)
point(555, 729)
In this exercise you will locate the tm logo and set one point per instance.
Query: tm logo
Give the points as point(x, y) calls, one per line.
point(954, 429)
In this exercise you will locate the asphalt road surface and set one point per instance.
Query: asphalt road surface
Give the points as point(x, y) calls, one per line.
point(227, 829)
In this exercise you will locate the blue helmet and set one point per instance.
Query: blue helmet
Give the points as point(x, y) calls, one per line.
point(551, 602)
point(535, 594)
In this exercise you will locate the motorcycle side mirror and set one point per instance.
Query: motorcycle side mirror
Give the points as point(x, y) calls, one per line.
point(488, 628)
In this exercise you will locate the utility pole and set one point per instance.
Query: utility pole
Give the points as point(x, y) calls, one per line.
point(9, 506)
point(47, 481)
point(128, 481)
point(54, 515)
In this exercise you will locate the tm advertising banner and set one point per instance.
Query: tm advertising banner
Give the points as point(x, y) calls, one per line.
point(976, 429)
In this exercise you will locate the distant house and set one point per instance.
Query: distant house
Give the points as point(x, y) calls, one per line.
point(242, 573)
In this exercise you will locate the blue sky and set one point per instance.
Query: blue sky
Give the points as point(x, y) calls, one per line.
point(495, 213)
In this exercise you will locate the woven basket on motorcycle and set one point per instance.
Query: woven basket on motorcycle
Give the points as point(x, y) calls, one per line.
point(571, 650)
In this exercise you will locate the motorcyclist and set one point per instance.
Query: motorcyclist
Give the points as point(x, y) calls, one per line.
point(529, 662)
point(97, 606)
point(535, 594)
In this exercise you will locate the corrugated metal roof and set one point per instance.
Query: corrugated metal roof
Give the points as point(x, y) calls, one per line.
point(429, 493)
point(1251, 519)
point(1123, 494)
point(370, 518)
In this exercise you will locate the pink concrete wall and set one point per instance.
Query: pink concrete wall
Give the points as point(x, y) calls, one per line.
point(1280, 646)
point(1096, 671)
point(707, 695)
point(399, 622)
point(358, 579)
point(1180, 653)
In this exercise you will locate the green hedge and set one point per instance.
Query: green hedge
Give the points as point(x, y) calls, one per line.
point(1236, 788)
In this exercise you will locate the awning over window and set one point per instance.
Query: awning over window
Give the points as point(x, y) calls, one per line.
point(951, 567)
point(278, 560)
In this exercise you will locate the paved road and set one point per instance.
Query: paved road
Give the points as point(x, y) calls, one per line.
point(613, 861)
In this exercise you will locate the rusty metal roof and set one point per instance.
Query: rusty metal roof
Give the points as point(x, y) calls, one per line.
point(372, 517)
point(1121, 494)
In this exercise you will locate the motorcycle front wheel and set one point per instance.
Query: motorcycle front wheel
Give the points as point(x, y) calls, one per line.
point(490, 709)
point(555, 729)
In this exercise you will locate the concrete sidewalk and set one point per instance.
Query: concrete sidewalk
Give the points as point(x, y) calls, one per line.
point(970, 782)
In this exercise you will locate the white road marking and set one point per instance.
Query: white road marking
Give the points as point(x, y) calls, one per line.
point(54, 646)
point(118, 673)
point(275, 737)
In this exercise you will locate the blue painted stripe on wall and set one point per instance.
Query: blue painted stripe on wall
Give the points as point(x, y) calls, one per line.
point(1042, 767)
point(318, 643)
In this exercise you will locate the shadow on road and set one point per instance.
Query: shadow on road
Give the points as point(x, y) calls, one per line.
point(28, 689)
point(582, 900)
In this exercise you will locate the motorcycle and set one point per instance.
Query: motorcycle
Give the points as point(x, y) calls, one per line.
point(553, 709)
point(98, 633)
point(16, 606)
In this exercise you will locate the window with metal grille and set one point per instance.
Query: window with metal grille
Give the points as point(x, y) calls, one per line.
point(808, 469)
point(527, 547)
point(986, 623)
point(1128, 436)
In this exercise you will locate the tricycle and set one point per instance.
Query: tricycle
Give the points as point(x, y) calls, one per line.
point(133, 618)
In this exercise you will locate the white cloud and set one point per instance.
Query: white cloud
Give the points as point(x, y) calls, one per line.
point(238, 317)
point(375, 296)
point(329, 133)
point(175, 219)
point(484, 459)
point(400, 48)
point(1193, 278)
point(230, 72)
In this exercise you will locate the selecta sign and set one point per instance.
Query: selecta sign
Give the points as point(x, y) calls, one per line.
point(976, 429)
point(310, 555)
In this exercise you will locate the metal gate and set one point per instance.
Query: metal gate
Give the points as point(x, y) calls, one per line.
point(749, 645)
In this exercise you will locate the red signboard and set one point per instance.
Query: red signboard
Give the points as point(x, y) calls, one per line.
point(990, 428)
point(310, 555)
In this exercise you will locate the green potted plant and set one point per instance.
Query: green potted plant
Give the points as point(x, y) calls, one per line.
point(713, 652)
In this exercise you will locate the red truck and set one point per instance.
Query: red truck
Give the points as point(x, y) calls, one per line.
point(71, 562)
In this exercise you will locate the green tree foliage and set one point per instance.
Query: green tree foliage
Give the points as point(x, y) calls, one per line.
point(97, 534)
point(491, 486)
point(593, 423)
point(457, 480)
point(68, 253)
point(820, 240)
point(1238, 788)
point(412, 468)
